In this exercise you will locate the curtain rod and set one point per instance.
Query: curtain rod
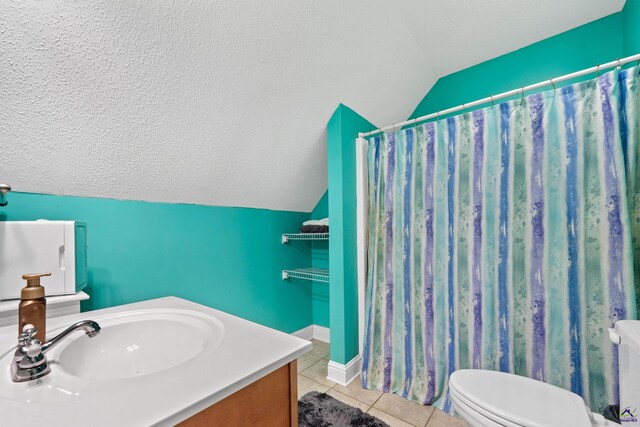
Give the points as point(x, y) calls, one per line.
point(492, 99)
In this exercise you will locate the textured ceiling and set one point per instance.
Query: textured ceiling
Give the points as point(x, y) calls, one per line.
point(460, 33)
point(226, 102)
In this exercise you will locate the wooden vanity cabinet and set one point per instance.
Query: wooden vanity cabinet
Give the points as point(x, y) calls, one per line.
point(271, 401)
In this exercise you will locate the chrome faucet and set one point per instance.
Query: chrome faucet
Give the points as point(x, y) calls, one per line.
point(30, 360)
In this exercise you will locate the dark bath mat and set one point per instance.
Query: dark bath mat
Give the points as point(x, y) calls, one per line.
point(321, 410)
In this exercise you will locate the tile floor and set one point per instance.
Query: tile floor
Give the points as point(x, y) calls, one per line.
point(392, 409)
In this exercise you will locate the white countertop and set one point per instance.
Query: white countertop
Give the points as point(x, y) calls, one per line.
point(247, 352)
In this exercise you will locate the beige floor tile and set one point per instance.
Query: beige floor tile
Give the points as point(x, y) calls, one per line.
point(392, 421)
point(307, 360)
point(320, 349)
point(442, 419)
point(403, 409)
point(356, 391)
point(305, 385)
point(318, 373)
point(348, 400)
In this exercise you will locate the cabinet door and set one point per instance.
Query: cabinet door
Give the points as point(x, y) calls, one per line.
point(271, 401)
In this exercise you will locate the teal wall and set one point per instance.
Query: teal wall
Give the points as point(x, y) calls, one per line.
point(583, 47)
point(631, 26)
point(227, 258)
point(320, 259)
point(342, 131)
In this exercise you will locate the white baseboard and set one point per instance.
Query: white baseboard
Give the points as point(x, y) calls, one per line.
point(343, 374)
point(304, 333)
point(319, 333)
point(336, 372)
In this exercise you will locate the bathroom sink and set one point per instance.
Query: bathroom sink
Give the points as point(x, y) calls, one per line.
point(155, 362)
point(139, 344)
point(131, 346)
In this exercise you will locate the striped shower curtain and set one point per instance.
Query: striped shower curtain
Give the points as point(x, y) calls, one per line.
point(503, 239)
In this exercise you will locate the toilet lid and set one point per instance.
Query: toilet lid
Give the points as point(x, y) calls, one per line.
point(520, 400)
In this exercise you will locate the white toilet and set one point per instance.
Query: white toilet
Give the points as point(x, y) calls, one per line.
point(490, 398)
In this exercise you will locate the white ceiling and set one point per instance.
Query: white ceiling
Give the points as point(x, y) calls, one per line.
point(226, 102)
point(460, 33)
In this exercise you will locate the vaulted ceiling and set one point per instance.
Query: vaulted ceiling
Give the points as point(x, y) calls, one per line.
point(226, 102)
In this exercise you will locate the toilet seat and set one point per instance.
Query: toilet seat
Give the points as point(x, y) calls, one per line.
point(472, 417)
point(512, 400)
point(475, 415)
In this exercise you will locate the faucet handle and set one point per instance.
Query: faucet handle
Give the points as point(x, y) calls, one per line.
point(29, 329)
point(34, 349)
point(28, 332)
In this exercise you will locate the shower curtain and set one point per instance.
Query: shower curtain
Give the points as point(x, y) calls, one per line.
point(503, 239)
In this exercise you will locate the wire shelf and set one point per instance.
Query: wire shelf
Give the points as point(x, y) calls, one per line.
point(315, 274)
point(304, 236)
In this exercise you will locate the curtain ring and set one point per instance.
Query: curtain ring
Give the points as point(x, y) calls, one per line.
point(619, 67)
point(492, 104)
point(598, 71)
point(553, 84)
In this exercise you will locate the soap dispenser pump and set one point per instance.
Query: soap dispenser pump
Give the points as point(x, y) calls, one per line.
point(33, 306)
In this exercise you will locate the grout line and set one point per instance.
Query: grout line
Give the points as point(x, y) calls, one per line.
point(351, 397)
point(355, 398)
point(310, 366)
point(395, 417)
point(312, 380)
point(305, 368)
point(376, 401)
point(430, 415)
point(306, 376)
point(398, 418)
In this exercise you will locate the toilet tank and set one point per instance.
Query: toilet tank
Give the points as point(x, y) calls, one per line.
point(57, 247)
point(626, 333)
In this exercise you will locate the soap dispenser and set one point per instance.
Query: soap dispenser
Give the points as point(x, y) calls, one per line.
point(33, 306)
